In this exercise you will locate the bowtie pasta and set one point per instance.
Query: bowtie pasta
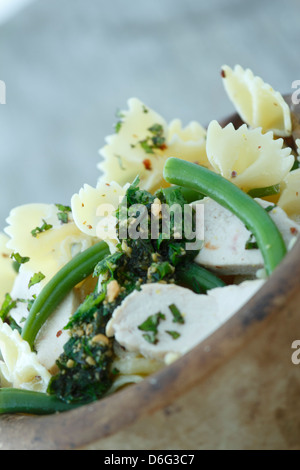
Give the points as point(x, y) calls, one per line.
point(247, 157)
point(20, 367)
point(258, 104)
point(142, 143)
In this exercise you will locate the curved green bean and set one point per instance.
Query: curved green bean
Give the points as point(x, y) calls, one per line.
point(78, 269)
point(197, 278)
point(227, 194)
point(13, 400)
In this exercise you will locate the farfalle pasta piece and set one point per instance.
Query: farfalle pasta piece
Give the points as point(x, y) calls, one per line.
point(19, 367)
point(7, 273)
point(49, 250)
point(93, 210)
point(257, 103)
point(289, 199)
point(247, 157)
point(188, 143)
point(142, 144)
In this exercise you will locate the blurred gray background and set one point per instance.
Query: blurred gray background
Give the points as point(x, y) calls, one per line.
point(69, 65)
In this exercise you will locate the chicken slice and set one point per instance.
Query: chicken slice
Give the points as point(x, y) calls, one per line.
point(174, 332)
point(225, 238)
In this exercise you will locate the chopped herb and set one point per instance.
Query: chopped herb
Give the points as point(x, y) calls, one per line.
point(151, 325)
point(118, 126)
point(251, 243)
point(174, 334)
point(160, 270)
point(7, 306)
point(120, 162)
point(62, 215)
point(19, 260)
point(30, 302)
point(145, 110)
point(119, 123)
point(269, 208)
point(41, 229)
point(146, 146)
point(36, 278)
point(177, 316)
point(63, 208)
point(264, 192)
point(155, 141)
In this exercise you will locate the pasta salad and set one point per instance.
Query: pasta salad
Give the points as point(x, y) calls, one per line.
point(183, 226)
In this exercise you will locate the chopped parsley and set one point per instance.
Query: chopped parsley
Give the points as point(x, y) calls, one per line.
point(35, 279)
point(119, 123)
point(251, 243)
point(18, 260)
point(154, 141)
point(7, 306)
point(177, 316)
point(63, 214)
point(174, 334)
point(151, 326)
point(41, 229)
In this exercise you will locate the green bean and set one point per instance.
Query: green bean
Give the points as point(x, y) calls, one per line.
point(199, 279)
point(228, 195)
point(13, 400)
point(78, 269)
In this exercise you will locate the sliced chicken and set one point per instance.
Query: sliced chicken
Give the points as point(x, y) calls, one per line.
point(52, 337)
point(225, 238)
point(164, 321)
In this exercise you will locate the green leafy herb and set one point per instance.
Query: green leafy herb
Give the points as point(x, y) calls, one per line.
point(151, 326)
point(119, 123)
point(251, 243)
point(20, 259)
point(7, 306)
point(177, 316)
point(270, 208)
point(41, 229)
point(63, 214)
point(35, 279)
point(266, 191)
point(154, 141)
point(174, 334)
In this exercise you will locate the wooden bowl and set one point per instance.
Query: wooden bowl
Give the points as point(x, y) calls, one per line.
point(238, 389)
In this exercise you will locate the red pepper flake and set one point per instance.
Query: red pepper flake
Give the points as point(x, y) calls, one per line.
point(147, 164)
point(293, 230)
point(297, 194)
point(233, 174)
point(58, 334)
point(163, 147)
point(82, 205)
point(259, 147)
point(4, 255)
point(90, 227)
point(107, 184)
point(223, 74)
